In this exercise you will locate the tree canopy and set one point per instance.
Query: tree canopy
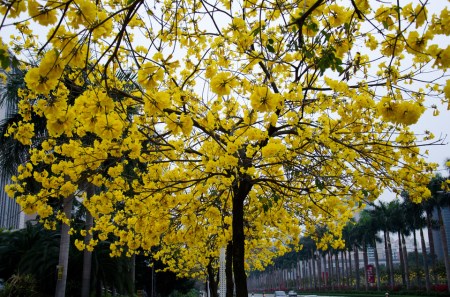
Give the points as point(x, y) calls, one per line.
point(245, 121)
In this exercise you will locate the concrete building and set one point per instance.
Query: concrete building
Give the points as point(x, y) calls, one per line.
point(437, 235)
point(11, 216)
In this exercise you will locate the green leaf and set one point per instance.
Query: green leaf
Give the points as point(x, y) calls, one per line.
point(4, 59)
point(385, 25)
point(270, 40)
point(319, 184)
point(256, 31)
point(270, 48)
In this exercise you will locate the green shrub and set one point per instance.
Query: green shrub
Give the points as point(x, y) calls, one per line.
point(20, 286)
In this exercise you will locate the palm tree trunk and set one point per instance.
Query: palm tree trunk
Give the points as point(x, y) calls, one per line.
point(64, 249)
point(391, 262)
point(350, 270)
point(319, 271)
point(310, 274)
point(405, 262)
point(331, 270)
point(425, 262)
point(344, 270)
point(377, 264)
point(402, 260)
point(386, 252)
point(314, 268)
point(444, 246)
point(338, 270)
point(431, 244)
point(347, 283)
point(358, 284)
point(416, 257)
point(366, 263)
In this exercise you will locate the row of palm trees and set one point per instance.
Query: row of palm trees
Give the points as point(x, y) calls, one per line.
point(379, 224)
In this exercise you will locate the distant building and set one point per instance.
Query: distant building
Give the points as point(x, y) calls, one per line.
point(11, 216)
point(437, 234)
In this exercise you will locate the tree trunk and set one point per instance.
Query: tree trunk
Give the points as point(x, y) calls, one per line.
point(64, 250)
point(431, 243)
point(347, 275)
point(229, 269)
point(313, 260)
point(386, 252)
point(425, 262)
point(240, 192)
point(405, 262)
point(331, 270)
point(391, 262)
point(344, 270)
point(416, 257)
point(366, 263)
point(212, 281)
point(377, 264)
point(444, 246)
point(319, 271)
point(402, 260)
point(358, 283)
point(338, 270)
point(350, 270)
point(87, 258)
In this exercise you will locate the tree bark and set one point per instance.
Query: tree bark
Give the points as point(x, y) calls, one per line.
point(350, 270)
point(377, 264)
point(212, 281)
point(358, 284)
point(405, 262)
point(425, 262)
point(319, 271)
point(391, 262)
point(229, 269)
point(416, 257)
point(366, 263)
point(240, 191)
point(402, 261)
point(431, 244)
point(313, 260)
point(64, 249)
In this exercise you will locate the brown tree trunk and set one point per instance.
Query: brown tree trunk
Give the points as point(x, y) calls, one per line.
point(431, 244)
point(425, 262)
point(350, 270)
point(366, 263)
point(358, 281)
point(64, 250)
point(229, 269)
point(405, 262)
point(319, 271)
point(377, 264)
point(213, 286)
point(416, 257)
point(240, 192)
point(402, 261)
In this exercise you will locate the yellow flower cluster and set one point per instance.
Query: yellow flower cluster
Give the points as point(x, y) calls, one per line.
point(404, 112)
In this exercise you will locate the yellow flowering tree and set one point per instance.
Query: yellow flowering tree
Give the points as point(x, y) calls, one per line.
point(250, 122)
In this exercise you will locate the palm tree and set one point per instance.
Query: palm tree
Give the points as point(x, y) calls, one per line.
point(400, 227)
point(429, 205)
